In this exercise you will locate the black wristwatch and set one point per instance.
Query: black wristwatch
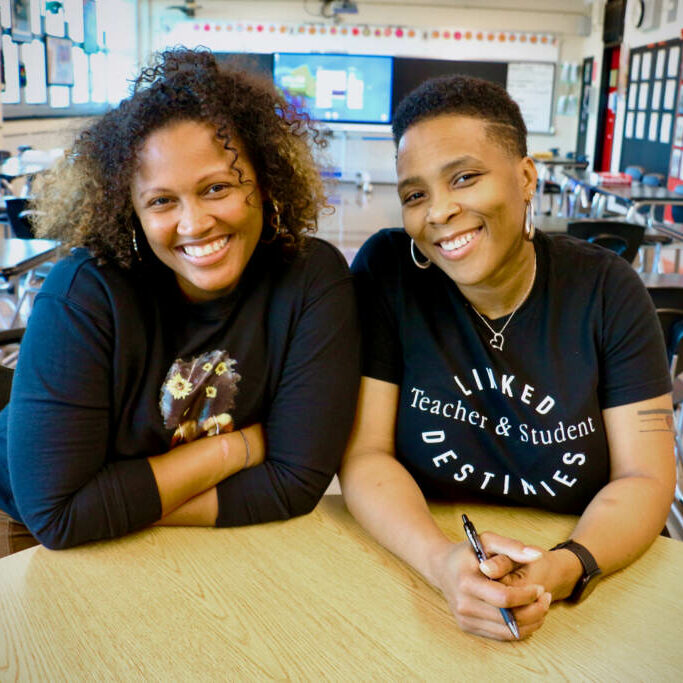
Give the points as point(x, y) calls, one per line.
point(591, 572)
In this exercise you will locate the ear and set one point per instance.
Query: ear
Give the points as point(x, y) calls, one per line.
point(528, 176)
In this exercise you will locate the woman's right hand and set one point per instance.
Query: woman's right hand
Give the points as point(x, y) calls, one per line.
point(476, 599)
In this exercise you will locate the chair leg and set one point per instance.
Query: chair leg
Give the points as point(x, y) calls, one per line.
point(657, 260)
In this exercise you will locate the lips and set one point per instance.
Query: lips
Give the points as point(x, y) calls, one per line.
point(206, 249)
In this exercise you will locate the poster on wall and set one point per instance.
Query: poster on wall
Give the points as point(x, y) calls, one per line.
point(10, 58)
point(21, 20)
point(60, 66)
point(675, 163)
point(665, 135)
point(678, 135)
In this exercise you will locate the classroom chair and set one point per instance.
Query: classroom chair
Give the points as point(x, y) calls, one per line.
point(618, 236)
point(654, 179)
point(667, 296)
point(9, 350)
point(636, 172)
point(677, 211)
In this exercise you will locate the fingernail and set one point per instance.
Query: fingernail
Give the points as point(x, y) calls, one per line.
point(486, 568)
point(548, 599)
point(539, 591)
point(532, 553)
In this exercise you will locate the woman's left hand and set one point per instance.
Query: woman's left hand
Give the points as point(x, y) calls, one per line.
point(558, 571)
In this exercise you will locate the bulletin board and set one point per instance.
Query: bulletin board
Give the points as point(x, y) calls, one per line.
point(651, 104)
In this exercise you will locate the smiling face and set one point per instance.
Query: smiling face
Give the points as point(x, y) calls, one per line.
point(200, 217)
point(463, 197)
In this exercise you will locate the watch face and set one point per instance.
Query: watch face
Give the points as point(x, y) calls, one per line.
point(587, 585)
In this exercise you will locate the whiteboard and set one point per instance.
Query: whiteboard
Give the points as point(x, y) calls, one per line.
point(531, 85)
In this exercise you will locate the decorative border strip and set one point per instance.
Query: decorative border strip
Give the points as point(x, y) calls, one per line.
point(437, 43)
point(367, 31)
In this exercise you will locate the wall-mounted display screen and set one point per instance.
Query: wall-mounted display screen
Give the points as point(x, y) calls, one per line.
point(410, 72)
point(336, 87)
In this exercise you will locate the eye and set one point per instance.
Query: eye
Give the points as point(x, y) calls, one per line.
point(465, 178)
point(217, 188)
point(411, 197)
point(156, 202)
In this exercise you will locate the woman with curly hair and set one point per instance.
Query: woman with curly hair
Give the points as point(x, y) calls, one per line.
point(194, 360)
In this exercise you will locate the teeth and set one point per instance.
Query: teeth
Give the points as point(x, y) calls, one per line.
point(458, 242)
point(205, 249)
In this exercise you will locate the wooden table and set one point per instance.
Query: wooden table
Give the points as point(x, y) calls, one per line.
point(310, 599)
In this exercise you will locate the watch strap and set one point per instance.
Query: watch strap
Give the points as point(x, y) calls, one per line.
point(590, 566)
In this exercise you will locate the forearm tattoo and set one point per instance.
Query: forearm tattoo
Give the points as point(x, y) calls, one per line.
point(659, 420)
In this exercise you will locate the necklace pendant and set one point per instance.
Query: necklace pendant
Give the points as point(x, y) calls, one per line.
point(497, 341)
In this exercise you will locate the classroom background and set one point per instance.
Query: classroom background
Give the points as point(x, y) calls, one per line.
point(595, 79)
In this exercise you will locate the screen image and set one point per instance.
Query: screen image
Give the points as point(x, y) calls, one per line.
point(337, 88)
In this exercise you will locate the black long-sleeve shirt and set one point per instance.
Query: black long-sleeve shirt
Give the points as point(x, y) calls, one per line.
point(85, 411)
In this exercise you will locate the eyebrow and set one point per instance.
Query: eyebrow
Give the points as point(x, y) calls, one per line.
point(203, 179)
point(459, 162)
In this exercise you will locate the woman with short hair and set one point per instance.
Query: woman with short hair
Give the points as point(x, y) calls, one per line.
point(503, 364)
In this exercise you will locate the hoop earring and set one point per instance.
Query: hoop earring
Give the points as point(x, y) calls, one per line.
point(138, 256)
point(529, 223)
point(420, 264)
point(275, 223)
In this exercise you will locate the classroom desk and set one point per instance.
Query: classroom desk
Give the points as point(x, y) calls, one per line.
point(18, 257)
point(315, 598)
point(15, 167)
point(546, 167)
point(634, 196)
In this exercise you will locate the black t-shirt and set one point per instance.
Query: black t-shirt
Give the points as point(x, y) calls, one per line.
point(523, 425)
point(111, 359)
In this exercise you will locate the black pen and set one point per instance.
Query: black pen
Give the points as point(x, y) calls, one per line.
point(475, 542)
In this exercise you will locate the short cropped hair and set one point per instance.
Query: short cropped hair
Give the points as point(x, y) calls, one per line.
point(465, 96)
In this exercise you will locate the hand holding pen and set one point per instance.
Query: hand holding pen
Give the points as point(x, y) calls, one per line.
point(523, 555)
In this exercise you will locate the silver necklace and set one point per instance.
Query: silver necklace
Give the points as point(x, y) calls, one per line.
point(498, 339)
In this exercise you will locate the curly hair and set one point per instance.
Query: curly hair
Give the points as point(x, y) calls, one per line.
point(465, 96)
point(85, 200)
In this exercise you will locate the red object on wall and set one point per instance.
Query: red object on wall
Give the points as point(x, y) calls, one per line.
point(610, 111)
point(675, 176)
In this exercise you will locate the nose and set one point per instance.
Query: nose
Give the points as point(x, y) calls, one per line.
point(195, 218)
point(442, 208)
